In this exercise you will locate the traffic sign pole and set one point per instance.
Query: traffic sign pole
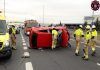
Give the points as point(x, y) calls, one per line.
point(95, 5)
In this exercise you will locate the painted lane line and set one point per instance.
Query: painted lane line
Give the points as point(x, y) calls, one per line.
point(97, 46)
point(26, 55)
point(24, 44)
point(98, 64)
point(25, 48)
point(28, 66)
point(23, 41)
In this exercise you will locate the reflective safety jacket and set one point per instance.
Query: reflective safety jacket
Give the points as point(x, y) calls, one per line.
point(94, 33)
point(13, 30)
point(54, 32)
point(78, 32)
point(88, 35)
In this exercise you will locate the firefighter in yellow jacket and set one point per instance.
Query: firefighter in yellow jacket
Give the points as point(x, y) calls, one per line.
point(54, 38)
point(93, 39)
point(78, 34)
point(87, 42)
point(13, 37)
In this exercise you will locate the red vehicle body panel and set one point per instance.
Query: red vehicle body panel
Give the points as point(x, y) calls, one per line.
point(39, 39)
point(27, 30)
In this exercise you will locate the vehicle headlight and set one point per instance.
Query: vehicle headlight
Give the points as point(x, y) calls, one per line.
point(28, 33)
point(6, 43)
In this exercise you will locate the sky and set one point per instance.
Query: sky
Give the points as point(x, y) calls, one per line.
point(66, 11)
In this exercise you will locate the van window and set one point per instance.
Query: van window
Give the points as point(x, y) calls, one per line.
point(3, 27)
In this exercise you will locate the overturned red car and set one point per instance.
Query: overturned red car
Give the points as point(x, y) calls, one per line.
point(41, 37)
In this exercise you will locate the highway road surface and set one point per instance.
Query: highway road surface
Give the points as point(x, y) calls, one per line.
point(47, 59)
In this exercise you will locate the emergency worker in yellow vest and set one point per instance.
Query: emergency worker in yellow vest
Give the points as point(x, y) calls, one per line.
point(13, 37)
point(87, 42)
point(93, 39)
point(54, 38)
point(78, 34)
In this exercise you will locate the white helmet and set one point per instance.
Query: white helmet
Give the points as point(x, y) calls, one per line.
point(87, 27)
point(80, 26)
point(93, 26)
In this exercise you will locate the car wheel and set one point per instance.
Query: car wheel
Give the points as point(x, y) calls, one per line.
point(8, 54)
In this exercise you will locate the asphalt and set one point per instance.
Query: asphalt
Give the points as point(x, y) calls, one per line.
point(47, 59)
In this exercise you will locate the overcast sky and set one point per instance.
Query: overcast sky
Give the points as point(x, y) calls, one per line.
point(67, 11)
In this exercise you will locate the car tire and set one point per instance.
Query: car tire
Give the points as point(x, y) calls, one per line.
point(9, 54)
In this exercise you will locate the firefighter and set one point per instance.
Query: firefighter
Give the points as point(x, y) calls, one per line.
point(13, 37)
point(54, 38)
point(87, 42)
point(93, 39)
point(78, 34)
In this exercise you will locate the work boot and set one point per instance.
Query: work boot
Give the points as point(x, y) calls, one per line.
point(83, 50)
point(77, 54)
point(93, 53)
point(83, 57)
point(86, 59)
point(13, 48)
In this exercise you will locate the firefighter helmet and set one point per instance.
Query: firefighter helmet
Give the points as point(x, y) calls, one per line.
point(93, 26)
point(80, 26)
point(87, 27)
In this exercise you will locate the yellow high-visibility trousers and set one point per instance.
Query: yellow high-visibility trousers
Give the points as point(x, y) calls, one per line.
point(93, 44)
point(77, 45)
point(87, 44)
point(54, 42)
point(13, 41)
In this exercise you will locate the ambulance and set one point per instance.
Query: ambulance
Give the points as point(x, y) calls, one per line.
point(5, 48)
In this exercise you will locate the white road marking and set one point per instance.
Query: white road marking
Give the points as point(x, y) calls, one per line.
point(97, 46)
point(23, 41)
point(24, 44)
point(25, 48)
point(28, 66)
point(26, 55)
point(22, 38)
point(98, 64)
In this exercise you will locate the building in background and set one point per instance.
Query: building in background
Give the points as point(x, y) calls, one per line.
point(90, 19)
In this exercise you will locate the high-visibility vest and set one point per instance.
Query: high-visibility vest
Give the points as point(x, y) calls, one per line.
point(78, 32)
point(13, 30)
point(94, 33)
point(88, 35)
point(54, 32)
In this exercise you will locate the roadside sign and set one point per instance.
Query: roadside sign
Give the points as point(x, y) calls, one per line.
point(95, 5)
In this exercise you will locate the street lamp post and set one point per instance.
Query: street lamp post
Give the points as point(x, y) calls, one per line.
point(43, 14)
point(4, 7)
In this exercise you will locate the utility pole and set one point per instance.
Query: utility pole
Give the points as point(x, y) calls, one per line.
point(4, 8)
point(43, 14)
point(92, 17)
